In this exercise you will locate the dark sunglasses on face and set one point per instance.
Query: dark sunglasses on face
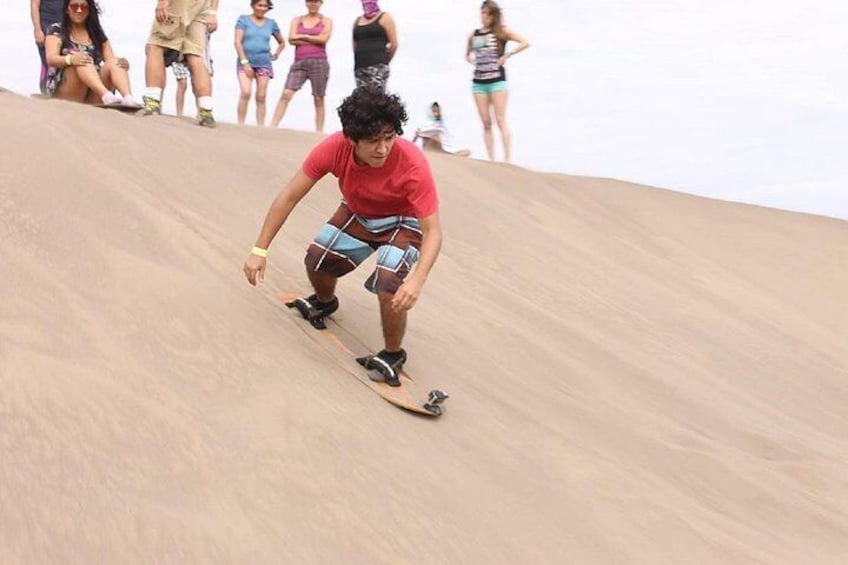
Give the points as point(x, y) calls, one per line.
point(81, 8)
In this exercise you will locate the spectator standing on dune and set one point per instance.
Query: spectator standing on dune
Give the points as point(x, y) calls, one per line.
point(309, 34)
point(487, 52)
point(375, 43)
point(44, 13)
point(255, 60)
point(180, 25)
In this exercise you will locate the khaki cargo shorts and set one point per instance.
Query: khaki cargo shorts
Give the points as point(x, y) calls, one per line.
point(184, 29)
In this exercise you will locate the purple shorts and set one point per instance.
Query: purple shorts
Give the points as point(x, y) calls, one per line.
point(258, 71)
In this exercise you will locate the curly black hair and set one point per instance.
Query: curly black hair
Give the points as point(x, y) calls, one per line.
point(369, 110)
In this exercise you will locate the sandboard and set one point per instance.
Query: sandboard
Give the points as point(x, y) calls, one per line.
point(120, 107)
point(340, 348)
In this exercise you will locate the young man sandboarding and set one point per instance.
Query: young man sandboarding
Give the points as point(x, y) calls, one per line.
point(389, 205)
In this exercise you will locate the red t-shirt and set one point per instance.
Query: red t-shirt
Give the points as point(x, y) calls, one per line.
point(403, 186)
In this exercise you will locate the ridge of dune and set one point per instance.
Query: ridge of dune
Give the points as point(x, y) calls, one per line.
point(637, 375)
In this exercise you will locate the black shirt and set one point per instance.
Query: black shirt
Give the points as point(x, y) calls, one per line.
point(369, 44)
point(50, 13)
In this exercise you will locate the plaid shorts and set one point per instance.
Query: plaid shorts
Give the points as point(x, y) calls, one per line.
point(346, 240)
point(316, 70)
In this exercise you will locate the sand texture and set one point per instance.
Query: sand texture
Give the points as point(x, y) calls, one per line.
point(637, 376)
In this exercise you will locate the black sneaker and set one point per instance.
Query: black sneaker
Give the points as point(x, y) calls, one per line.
point(313, 310)
point(388, 364)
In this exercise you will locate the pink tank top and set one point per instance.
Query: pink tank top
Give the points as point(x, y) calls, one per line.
point(310, 50)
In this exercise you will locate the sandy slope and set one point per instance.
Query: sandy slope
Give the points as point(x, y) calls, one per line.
point(637, 376)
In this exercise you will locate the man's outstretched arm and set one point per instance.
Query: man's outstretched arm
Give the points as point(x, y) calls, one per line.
point(284, 203)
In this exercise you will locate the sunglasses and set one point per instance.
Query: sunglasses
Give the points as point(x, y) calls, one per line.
point(81, 8)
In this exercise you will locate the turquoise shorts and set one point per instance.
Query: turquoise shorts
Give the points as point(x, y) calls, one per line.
point(488, 88)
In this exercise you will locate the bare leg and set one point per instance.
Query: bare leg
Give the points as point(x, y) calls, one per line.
point(319, 114)
point(394, 322)
point(245, 86)
point(200, 81)
point(154, 66)
point(261, 96)
point(282, 105)
point(499, 101)
point(482, 101)
point(90, 77)
point(72, 88)
point(323, 283)
point(181, 92)
point(114, 77)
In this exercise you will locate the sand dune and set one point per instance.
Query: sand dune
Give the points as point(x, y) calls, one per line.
point(637, 376)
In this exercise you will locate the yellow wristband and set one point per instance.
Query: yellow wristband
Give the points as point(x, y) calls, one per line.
point(67, 60)
point(259, 252)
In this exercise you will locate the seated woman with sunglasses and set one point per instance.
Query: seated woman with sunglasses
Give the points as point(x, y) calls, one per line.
point(82, 65)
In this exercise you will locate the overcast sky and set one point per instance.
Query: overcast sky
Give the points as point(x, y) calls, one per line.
point(741, 100)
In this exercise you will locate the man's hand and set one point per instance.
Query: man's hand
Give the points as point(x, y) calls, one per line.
point(39, 37)
point(254, 269)
point(212, 23)
point(407, 295)
point(161, 11)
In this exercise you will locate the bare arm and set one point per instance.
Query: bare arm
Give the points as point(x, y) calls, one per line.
point(281, 44)
point(108, 53)
point(162, 11)
point(298, 187)
point(294, 38)
point(325, 35)
point(212, 17)
point(110, 58)
point(522, 44)
point(237, 43)
point(431, 243)
point(35, 16)
point(388, 24)
point(469, 50)
point(53, 53)
point(52, 50)
point(320, 39)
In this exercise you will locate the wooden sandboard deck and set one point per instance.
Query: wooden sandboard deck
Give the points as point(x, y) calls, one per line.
point(337, 343)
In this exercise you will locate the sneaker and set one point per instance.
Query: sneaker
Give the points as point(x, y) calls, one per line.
point(110, 99)
point(205, 118)
point(128, 100)
point(388, 364)
point(151, 107)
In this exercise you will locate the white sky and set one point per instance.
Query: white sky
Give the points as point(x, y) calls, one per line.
point(741, 100)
